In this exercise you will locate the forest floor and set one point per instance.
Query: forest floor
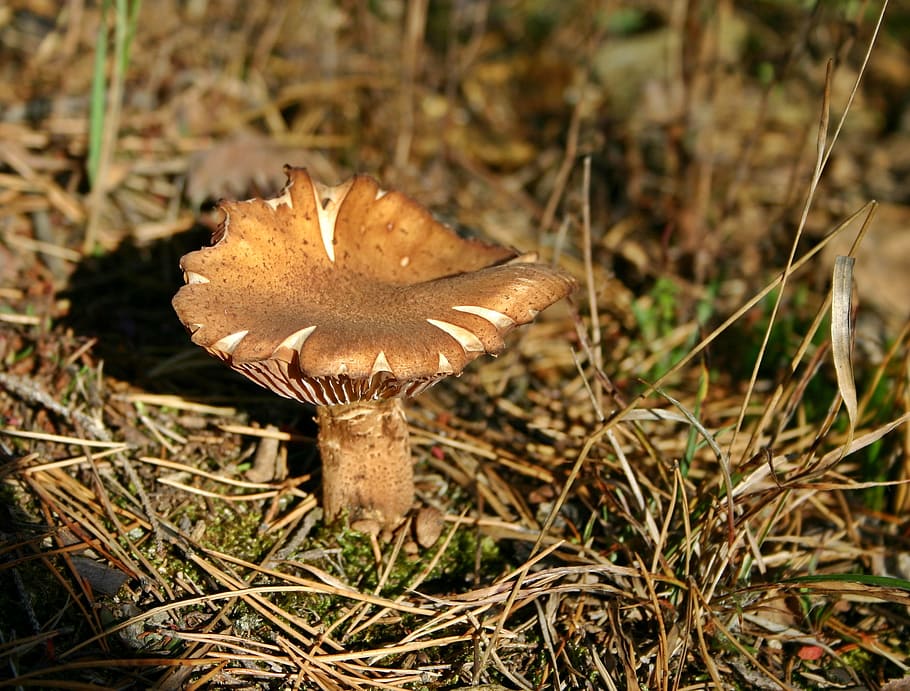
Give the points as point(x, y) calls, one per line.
point(691, 475)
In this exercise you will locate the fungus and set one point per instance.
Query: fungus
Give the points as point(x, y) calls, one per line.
point(352, 298)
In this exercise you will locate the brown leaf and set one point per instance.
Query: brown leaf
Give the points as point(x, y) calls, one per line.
point(245, 164)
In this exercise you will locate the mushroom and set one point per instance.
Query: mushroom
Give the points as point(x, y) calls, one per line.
point(352, 298)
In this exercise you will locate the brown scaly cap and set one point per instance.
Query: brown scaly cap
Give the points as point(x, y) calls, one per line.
point(331, 295)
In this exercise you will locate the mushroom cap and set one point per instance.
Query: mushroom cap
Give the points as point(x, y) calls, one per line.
point(330, 295)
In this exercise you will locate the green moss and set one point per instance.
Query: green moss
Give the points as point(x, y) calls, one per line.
point(858, 659)
point(235, 529)
point(458, 562)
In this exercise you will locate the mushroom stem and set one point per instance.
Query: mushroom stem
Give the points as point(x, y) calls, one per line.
point(366, 461)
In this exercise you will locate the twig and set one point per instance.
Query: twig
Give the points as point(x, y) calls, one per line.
point(410, 59)
point(562, 175)
point(34, 394)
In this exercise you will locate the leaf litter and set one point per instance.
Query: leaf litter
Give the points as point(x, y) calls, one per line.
point(620, 501)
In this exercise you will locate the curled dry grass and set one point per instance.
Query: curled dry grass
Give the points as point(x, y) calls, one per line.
point(691, 526)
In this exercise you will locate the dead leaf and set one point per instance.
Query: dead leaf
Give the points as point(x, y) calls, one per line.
point(248, 164)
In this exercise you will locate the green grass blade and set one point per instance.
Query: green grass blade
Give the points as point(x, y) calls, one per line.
point(861, 578)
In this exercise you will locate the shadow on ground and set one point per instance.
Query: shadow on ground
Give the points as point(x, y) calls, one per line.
point(122, 299)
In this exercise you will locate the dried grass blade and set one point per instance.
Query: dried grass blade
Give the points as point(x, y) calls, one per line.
point(821, 139)
point(861, 442)
point(177, 402)
point(61, 439)
point(842, 336)
point(214, 477)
